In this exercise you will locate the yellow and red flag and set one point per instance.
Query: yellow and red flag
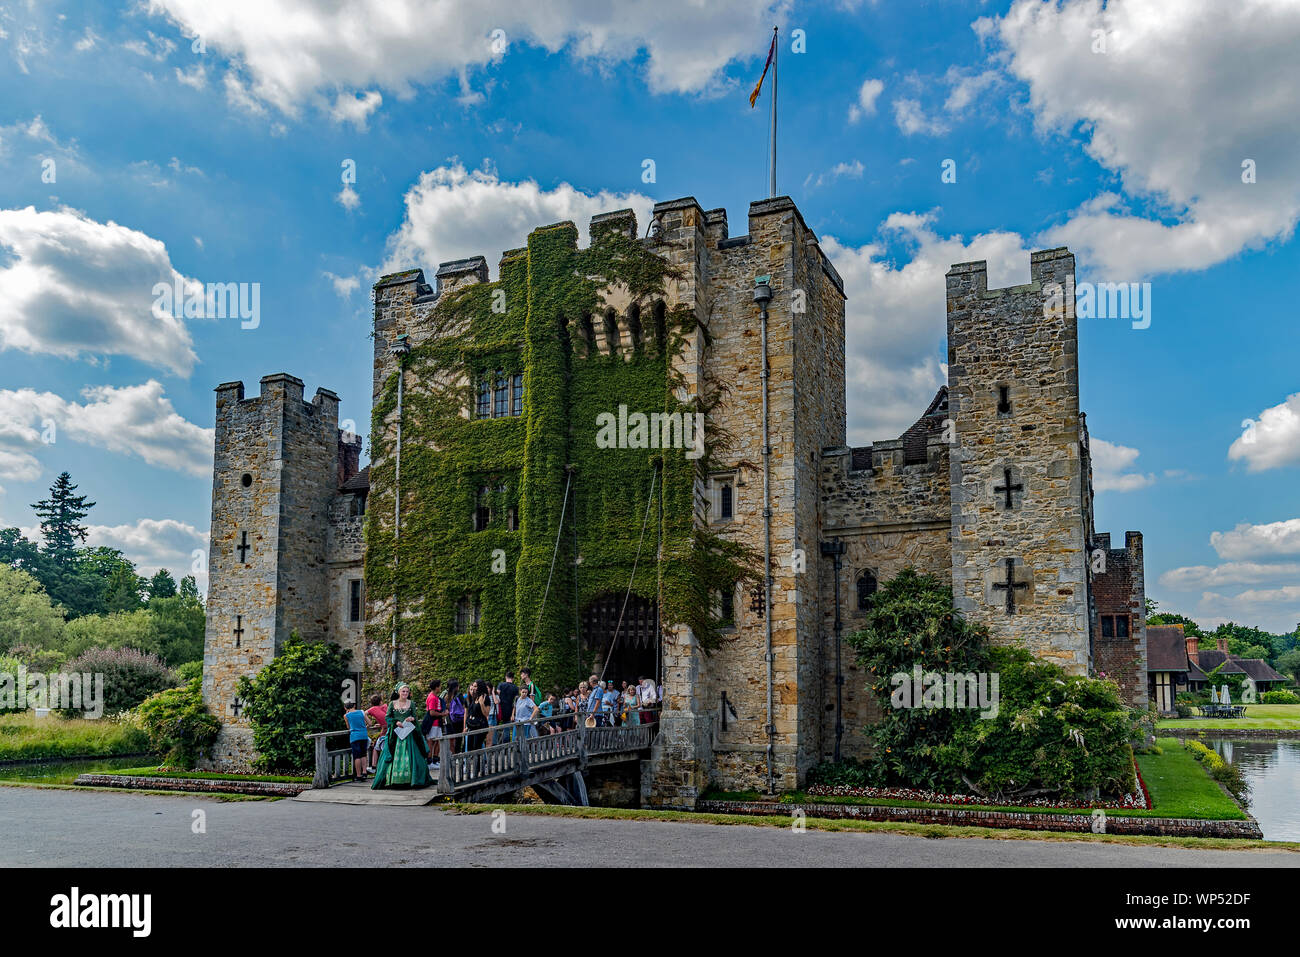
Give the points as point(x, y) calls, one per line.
point(771, 52)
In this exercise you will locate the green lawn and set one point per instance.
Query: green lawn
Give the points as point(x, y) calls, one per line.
point(1178, 785)
point(25, 737)
point(1271, 717)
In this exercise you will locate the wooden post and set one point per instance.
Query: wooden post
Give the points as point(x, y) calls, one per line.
point(322, 776)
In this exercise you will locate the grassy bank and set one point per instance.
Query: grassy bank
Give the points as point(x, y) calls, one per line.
point(1262, 717)
point(24, 737)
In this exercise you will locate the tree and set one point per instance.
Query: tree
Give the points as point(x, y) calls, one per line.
point(122, 593)
point(61, 516)
point(1289, 663)
point(123, 629)
point(162, 585)
point(189, 588)
point(26, 615)
point(177, 625)
point(1190, 628)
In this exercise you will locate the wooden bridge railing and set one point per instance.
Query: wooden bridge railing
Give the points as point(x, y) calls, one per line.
point(506, 751)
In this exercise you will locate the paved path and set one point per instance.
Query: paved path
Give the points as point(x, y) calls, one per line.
point(88, 829)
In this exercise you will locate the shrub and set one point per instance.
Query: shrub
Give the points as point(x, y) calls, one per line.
point(848, 773)
point(179, 725)
point(1054, 733)
point(297, 694)
point(189, 671)
point(911, 621)
point(1229, 775)
point(9, 666)
point(1279, 697)
point(130, 676)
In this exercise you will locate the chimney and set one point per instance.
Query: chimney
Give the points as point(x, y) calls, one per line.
point(1222, 644)
point(1191, 649)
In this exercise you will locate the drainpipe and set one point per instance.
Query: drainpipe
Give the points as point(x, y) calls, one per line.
point(762, 296)
point(401, 349)
point(835, 549)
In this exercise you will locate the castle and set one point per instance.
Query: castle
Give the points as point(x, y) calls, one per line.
point(492, 530)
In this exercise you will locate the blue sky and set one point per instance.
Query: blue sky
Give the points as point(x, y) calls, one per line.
point(187, 142)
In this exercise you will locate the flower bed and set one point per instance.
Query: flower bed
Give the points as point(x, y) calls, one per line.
point(1139, 800)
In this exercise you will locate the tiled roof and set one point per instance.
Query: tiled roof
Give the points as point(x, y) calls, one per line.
point(1209, 660)
point(931, 422)
point(358, 483)
point(1260, 670)
point(1166, 648)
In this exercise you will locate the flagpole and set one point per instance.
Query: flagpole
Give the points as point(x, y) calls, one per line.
point(776, 62)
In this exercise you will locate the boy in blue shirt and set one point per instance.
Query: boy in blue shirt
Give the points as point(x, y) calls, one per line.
point(358, 739)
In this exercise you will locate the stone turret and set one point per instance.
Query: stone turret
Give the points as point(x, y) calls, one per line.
point(275, 468)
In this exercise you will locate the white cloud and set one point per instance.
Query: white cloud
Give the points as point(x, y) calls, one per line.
point(152, 544)
point(134, 420)
point(196, 77)
point(75, 287)
point(967, 87)
point(853, 170)
point(895, 316)
point(452, 213)
point(1229, 573)
point(87, 41)
point(1258, 541)
point(291, 52)
point(1110, 463)
point(344, 286)
point(911, 119)
point(348, 198)
point(867, 96)
point(1273, 609)
point(356, 109)
point(1174, 106)
point(1272, 440)
point(157, 48)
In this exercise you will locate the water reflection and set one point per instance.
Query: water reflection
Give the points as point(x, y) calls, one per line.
point(1273, 770)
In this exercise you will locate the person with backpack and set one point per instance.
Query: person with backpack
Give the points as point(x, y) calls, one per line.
point(455, 709)
point(506, 694)
point(477, 712)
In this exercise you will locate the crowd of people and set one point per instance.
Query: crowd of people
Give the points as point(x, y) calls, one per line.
point(399, 745)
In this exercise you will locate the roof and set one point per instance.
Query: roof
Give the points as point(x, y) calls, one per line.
point(1194, 673)
point(1209, 660)
point(930, 423)
point(358, 483)
point(1260, 670)
point(1167, 649)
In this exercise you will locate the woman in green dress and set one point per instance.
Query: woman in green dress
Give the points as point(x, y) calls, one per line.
point(404, 761)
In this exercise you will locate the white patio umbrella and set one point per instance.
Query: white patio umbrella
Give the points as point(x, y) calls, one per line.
point(1224, 696)
point(1214, 695)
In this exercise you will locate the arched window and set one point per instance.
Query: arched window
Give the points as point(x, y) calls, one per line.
point(588, 335)
point(727, 606)
point(866, 588)
point(468, 612)
point(611, 332)
point(634, 326)
point(517, 394)
point(725, 505)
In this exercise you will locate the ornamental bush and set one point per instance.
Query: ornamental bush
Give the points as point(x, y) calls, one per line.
point(130, 676)
point(297, 694)
point(179, 725)
point(1053, 733)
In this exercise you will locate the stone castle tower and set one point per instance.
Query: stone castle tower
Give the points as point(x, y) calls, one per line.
point(276, 468)
point(1019, 534)
point(489, 570)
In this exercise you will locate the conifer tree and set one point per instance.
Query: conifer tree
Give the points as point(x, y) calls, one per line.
point(61, 516)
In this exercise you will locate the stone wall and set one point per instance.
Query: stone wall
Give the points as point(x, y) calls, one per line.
point(891, 516)
point(1010, 339)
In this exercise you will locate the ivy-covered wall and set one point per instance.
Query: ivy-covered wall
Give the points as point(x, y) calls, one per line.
point(531, 320)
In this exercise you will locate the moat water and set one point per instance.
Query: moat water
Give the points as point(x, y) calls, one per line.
point(1273, 770)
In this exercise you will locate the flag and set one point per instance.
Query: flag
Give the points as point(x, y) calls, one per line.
point(771, 52)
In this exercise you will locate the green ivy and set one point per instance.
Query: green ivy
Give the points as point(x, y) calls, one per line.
point(548, 287)
point(179, 725)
